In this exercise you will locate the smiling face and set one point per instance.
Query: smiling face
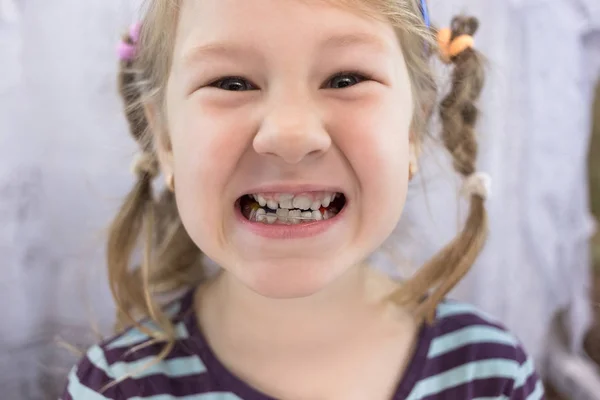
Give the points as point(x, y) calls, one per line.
point(273, 107)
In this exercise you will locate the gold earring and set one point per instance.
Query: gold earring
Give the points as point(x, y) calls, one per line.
point(171, 182)
point(413, 165)
point(412, 170)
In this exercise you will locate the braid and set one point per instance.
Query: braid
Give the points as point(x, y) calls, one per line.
point(171, 259)
point(458, 111)
point(127, 284)
point(458, 114)
point(132, 95)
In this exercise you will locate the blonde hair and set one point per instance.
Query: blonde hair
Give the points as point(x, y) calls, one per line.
point(171, 259)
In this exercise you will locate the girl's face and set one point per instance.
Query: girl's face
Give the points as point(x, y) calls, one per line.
point(282, 104)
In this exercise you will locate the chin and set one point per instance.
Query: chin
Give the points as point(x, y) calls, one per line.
point(290, 280)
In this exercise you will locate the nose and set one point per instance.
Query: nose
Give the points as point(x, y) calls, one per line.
point(292, 130)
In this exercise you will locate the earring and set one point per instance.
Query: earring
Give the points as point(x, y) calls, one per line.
point(412, 171)
point(171, 182)
point(413, 164)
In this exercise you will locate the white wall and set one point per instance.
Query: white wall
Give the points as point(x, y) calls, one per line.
point(65, 156)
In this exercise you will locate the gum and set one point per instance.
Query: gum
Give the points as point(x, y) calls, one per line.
point(313, 196)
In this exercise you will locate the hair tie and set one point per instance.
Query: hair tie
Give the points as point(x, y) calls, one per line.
point(127, 49)
point(134, 32)
point(479, 184)
point(451, 48)
point(145, 164)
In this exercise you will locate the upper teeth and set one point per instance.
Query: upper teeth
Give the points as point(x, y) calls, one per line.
point(289, 201)
point(261, 200)
point(300, 202)
point(272, 204)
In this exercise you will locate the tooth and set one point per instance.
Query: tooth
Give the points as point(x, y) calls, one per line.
point(334, 196)
point(327, 215)
point(316, 215)
point(261, 215)
point(254, 197)
point(307, 215)
point(327, 200)
point(285, 200)
point(271, 218)
point(272, 204)
point(261, 200)
point(316, 205)
point(302, 202)
point(282, 214)
point(294, 216)
point(287, 204)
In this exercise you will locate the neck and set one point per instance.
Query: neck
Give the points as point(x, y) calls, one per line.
point(246, 319)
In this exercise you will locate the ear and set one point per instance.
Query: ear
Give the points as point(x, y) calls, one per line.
point(162, 142)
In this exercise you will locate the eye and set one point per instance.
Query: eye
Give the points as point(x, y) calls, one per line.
point(233, 84)
point(345, 79)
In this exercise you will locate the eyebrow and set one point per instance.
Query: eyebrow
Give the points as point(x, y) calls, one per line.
point(354, 39)
point(232, 50)
point(217, 49)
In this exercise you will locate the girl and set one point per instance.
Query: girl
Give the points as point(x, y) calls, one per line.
point(287, 132)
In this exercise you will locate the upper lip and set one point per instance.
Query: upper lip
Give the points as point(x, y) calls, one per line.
point(292, 189)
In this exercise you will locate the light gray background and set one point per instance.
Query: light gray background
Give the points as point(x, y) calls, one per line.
point(65, 155)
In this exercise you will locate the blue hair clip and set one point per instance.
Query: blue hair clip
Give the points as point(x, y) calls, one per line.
point(426, 19)
point(425, 12)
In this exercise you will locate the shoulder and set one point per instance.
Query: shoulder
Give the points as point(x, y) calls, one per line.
point(128, 366)
point(471, 352)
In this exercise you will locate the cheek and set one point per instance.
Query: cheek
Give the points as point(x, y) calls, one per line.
point(206, 150)
point(375, 140)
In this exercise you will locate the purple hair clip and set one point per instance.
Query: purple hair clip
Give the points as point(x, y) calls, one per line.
point(127, 51)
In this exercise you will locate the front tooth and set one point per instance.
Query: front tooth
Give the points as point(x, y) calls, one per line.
point(317, 216)
point(271, 218)
point(307, 215)
point(285, 200)
point(327, 200)
point(261, 200)
point(302, 202)
point(316, 205)
point(272, 204)
point(282, 214)
point(295, 216)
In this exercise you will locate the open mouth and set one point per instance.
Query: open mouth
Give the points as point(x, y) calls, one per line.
point(289, 209)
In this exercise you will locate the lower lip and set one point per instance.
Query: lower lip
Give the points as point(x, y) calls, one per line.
point(298, 231)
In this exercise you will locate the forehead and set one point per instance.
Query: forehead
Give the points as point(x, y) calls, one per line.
point(220, 25)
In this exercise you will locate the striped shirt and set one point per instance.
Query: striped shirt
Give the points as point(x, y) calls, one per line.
point(463, 355)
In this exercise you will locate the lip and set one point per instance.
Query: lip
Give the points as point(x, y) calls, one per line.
point(298, 231)
point(292, 189)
